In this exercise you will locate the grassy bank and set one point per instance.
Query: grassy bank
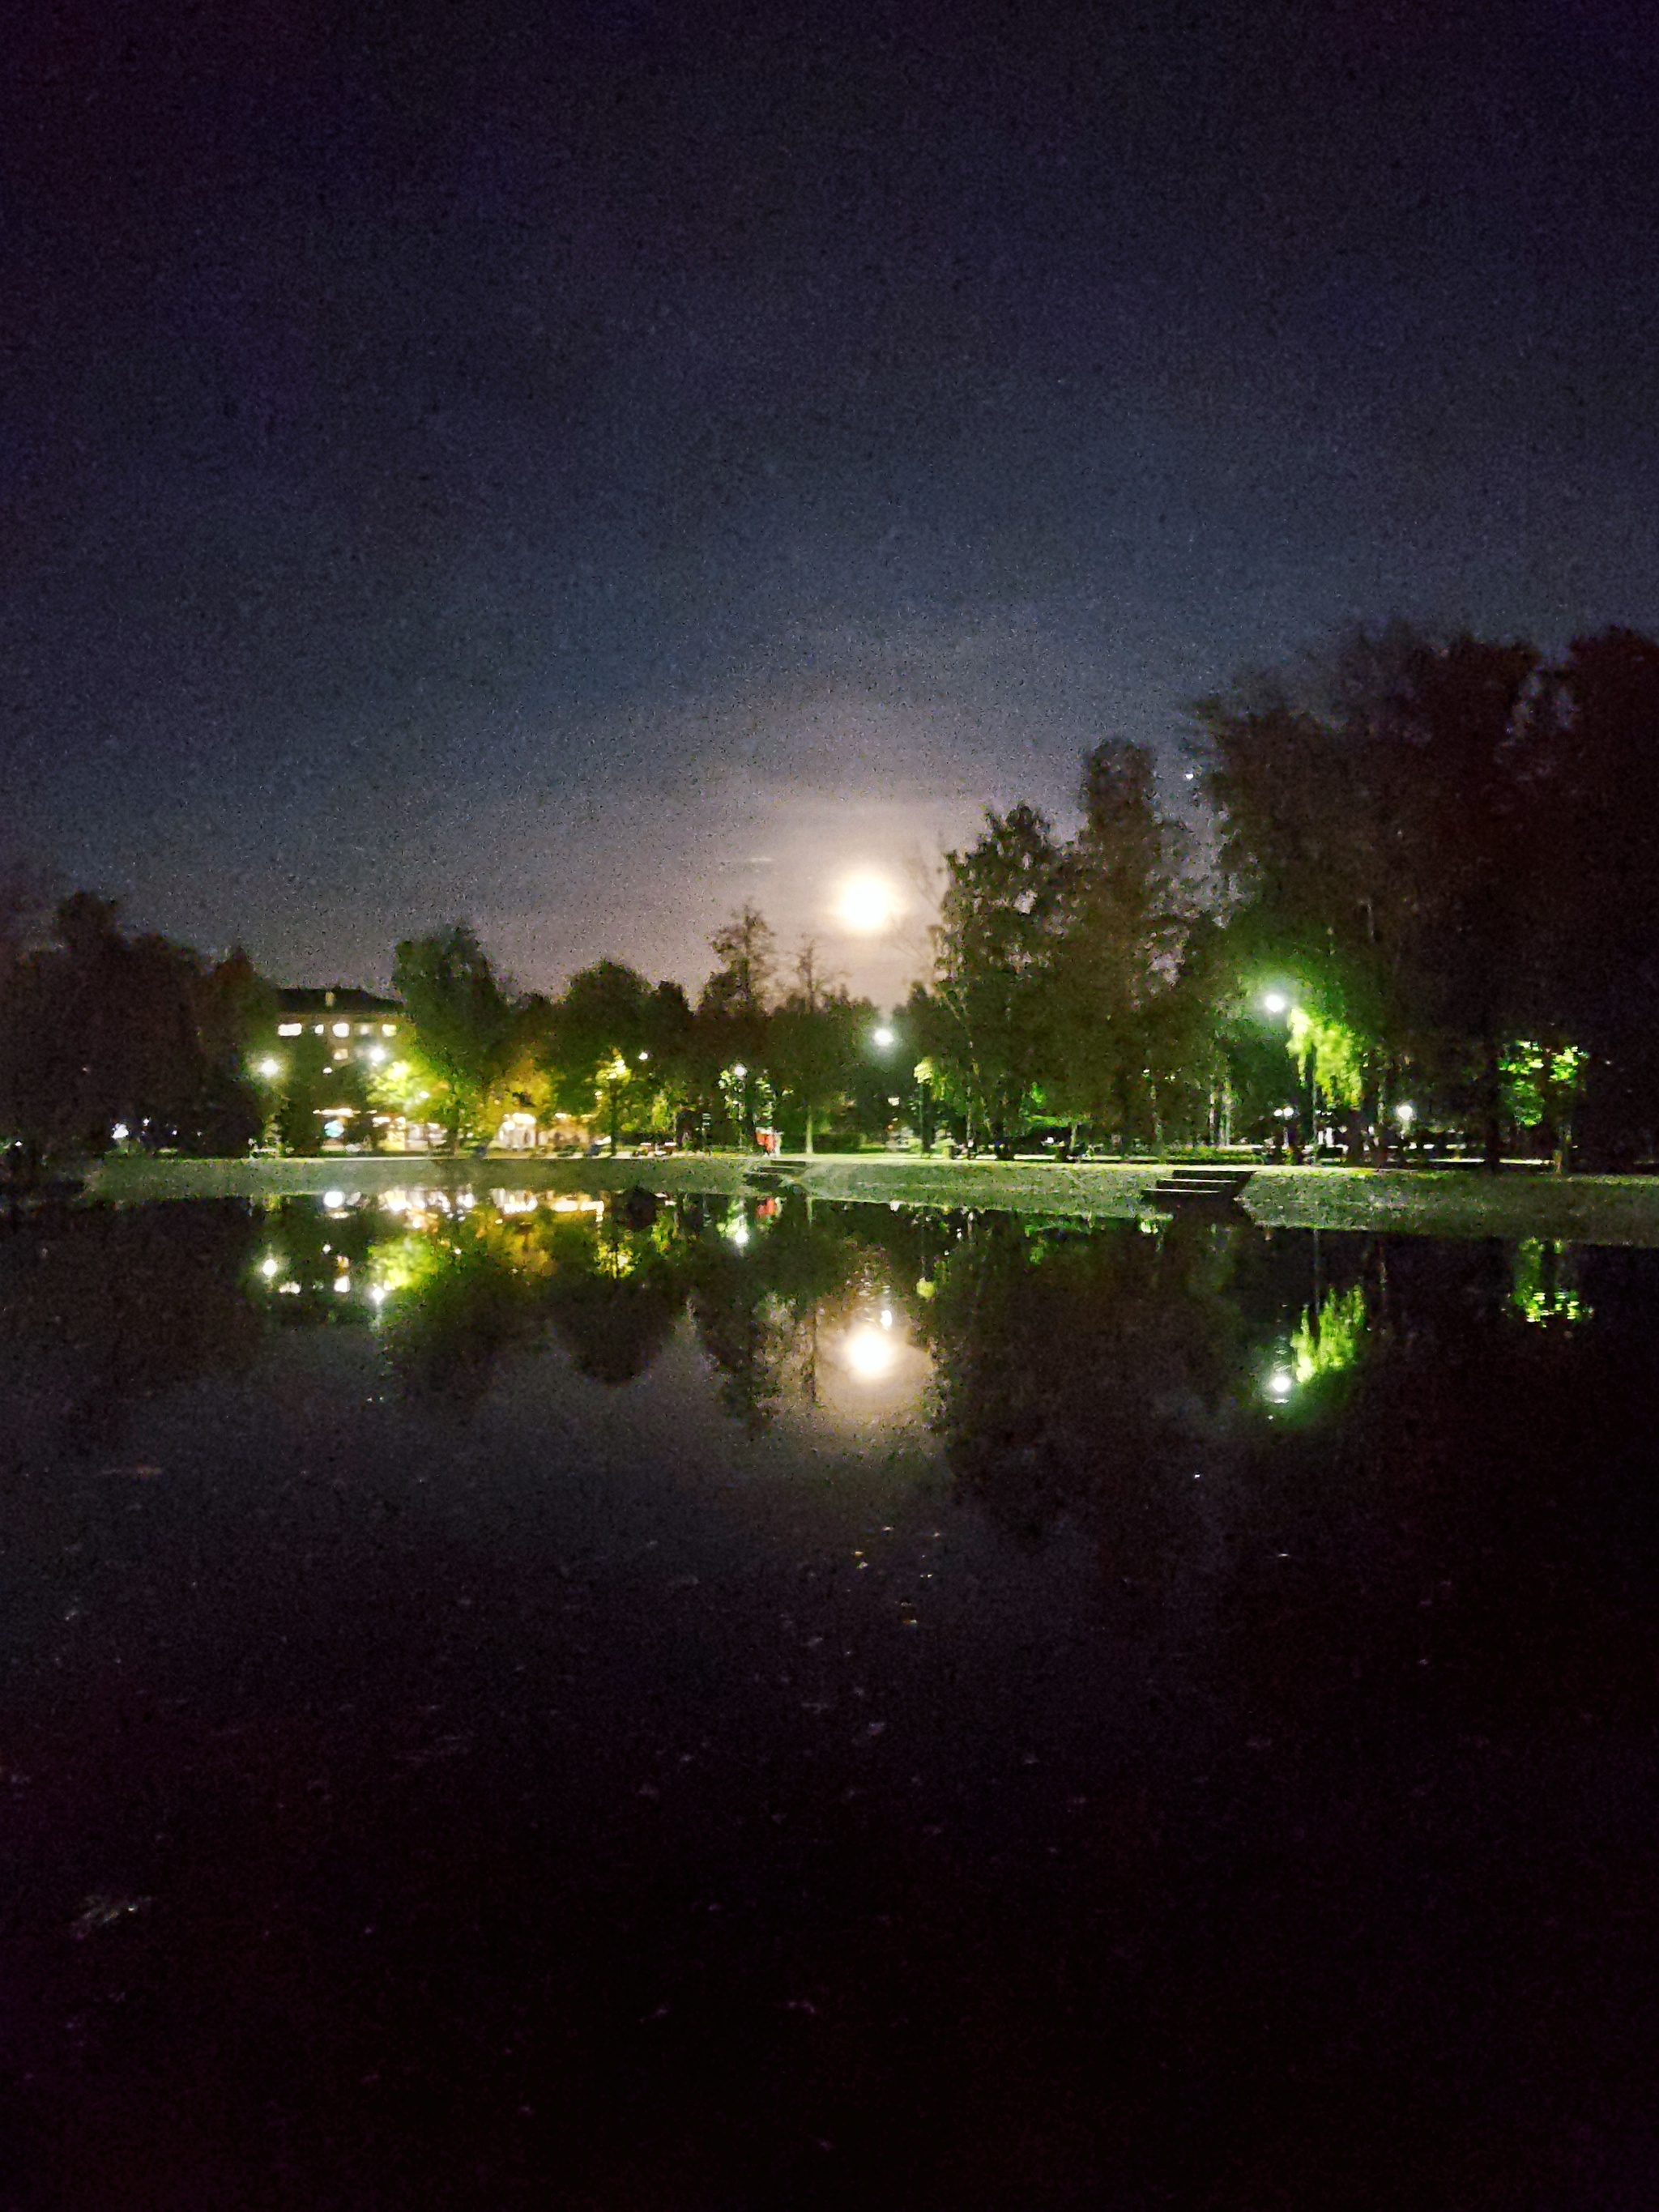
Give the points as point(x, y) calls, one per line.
point(1582, 1209)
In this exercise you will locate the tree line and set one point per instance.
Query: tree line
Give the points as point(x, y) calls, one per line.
point(1422, 896)
point(1431, 902)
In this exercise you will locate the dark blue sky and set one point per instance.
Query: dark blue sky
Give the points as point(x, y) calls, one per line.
point(580, 466)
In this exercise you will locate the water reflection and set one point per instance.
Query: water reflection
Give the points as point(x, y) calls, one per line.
point(1237, 1668)
point(1063, 1370)
point(102, 1310)
point(790, 1307)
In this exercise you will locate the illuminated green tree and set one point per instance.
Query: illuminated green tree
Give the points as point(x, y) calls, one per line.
point(614, 1047)
point(465, 1026)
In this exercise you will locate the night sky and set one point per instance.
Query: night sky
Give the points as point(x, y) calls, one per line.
point(578, 466)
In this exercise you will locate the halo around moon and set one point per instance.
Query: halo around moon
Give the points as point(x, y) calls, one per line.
point(865, 904)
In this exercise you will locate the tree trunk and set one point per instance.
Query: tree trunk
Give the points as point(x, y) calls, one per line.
point(1492, 1105)
point(809, 1129)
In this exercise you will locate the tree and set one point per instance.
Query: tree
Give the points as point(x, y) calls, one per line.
point(1119, 1049)
point(1594, 883)
point(101, 1031)
point(616, 1045)
point(732, 1018)
point(815, 1039)
point(995, 951)
point(740, 989)
point(465, 1024)
point(1376, 835)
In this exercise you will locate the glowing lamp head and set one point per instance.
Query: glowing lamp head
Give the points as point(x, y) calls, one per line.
point(881, 1038)
point(1275, 1002)
point(871, 1354)
point(268, 1067)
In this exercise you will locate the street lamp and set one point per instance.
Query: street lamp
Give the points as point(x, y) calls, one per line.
point(882, 1038)
point(616, 1076)
point(1281, 1004)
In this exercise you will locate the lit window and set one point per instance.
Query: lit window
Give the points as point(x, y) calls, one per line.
point(289, 1029)
point(388, 1029)
point(317, 1030)
point(343, 1029)
point(363, 1028)
point(341, 1053)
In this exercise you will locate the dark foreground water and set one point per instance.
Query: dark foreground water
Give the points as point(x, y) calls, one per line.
point(700, 1707)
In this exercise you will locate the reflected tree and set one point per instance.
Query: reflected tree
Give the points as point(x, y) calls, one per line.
point(112, 1308)
point(614, 1296)
point(1074, 1368)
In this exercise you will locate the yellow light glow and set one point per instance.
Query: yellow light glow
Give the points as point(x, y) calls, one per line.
point(866, 905)
point(871, 1354)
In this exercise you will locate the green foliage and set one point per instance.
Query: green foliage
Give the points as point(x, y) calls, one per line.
point(1331, 1055)
point(1541, 1082)
point(464, 1025)
point(815, 1042)
point(1544, 1291)
point(1330, 1340)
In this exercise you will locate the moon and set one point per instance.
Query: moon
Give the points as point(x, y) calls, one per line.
point(865, 905)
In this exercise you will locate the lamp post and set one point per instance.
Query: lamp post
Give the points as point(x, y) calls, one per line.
point(924, 1075)
point(1280, 1005)
point(883, 1038)
point(616, 1076)
point(269, 1073)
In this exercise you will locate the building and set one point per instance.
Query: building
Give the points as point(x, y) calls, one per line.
point(328, 1043)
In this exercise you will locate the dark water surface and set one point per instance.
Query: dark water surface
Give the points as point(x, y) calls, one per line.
point(697, 1706)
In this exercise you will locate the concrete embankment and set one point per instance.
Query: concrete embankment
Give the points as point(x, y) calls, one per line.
point(1582, 1209)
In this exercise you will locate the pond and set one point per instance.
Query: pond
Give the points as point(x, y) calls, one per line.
point(530, 1699)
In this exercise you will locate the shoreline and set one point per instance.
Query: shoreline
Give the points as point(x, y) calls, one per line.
point(1409, 1201)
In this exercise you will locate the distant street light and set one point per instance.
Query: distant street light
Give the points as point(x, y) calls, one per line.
point(269, 1068)
point(1276, 1002)
point(882, 1038)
